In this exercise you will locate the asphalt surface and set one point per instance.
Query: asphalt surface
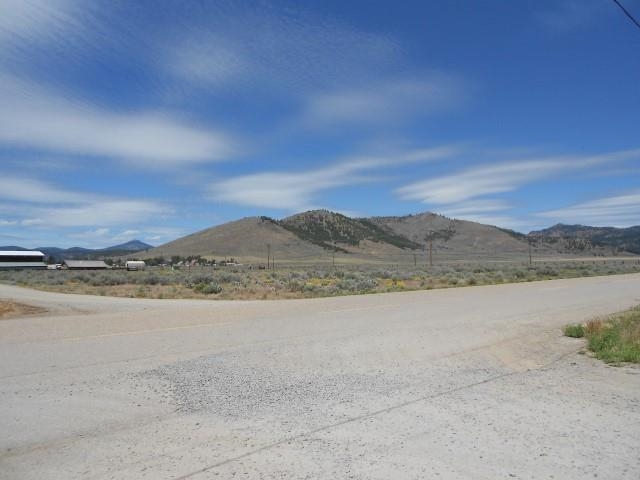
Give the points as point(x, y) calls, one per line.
point(465, 383)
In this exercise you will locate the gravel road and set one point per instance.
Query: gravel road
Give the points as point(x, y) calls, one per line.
point(465, 383)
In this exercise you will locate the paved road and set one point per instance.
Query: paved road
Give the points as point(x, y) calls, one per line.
point(467, 383)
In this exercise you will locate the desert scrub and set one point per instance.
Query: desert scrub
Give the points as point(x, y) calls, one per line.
point(617, 338)
point(574, 331)
point(208, 288)
point(614, 339)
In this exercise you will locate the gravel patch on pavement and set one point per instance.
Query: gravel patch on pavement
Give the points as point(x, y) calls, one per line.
point(224, 386)
point(234, 386)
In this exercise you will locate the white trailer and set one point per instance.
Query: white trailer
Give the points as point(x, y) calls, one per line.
point(135, 265)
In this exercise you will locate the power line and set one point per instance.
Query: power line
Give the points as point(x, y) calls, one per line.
point(627, 13)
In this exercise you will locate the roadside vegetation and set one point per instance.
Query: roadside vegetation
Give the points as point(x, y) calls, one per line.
point(244, 282)
point(9, 309)
point(614, 339)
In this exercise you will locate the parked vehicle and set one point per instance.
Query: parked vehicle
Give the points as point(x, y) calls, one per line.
point(135, 265)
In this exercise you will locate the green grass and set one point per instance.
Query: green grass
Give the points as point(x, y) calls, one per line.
point(574, 331)
point(615, 339)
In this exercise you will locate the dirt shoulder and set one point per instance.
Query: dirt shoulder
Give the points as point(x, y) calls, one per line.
point(12, 309)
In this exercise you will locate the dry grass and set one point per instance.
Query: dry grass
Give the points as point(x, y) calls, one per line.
point(594, 326)
point(614, 339)
point(11, 309)
point(6, 308)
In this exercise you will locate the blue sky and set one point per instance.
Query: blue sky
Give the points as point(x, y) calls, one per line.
point(152, 120)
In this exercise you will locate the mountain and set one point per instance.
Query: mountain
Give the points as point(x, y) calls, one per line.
point(331, 230)
point(586, 239)
point(88, 253)
point(459, 239)
point(306, 237)
point(318, 235)
point(250, 239)
point(130, 246)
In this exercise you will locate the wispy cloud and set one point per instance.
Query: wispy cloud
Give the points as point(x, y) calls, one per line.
point(210, 63)
point(382, 102)
point(104, 213)
point(298, 191)
point(615, 211)
point(569, 15)
point(477, 193)
point(36, 118)
point(477, 181)
point(476, 207)
point(504, 177)
point(34, 191)
point(236, 45)
point(34, 22)
point(34, 203)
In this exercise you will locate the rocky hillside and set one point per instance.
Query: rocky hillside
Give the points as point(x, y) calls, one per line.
point(592, 240)
point(335, 231)
point(458, 237)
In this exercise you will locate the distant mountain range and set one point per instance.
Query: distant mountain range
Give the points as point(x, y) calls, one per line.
point(80, 253)
point(321, 234)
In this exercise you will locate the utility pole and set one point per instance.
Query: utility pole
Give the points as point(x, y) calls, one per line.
point(268, 254)
point(529, 253)
point(429, 238)
point(431, 252)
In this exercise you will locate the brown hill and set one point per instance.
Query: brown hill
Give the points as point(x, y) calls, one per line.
point(319, 236)
point(248, 240)
point(459, 239)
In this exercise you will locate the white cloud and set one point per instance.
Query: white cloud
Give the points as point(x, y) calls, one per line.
point(381, 102)
point(110, 212)
point(35, 22)
point(209, 62)
point(477, 181)
point(469, 194)
point(615, 211)
point(108, 237)
point(476, 207)
point(97, 234)
point(297, 191)
point(35, 118)
point(39, 203)
point(32, 222)
point(287, 191)
point(237, 45)
point(34, 191)
point(500, 178)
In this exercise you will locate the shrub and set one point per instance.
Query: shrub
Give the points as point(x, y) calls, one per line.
point(208, 288)
point(574, 331)
point(227, 277)
point(619, 339)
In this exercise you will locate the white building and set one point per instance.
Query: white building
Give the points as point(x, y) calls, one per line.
point(20, 259)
